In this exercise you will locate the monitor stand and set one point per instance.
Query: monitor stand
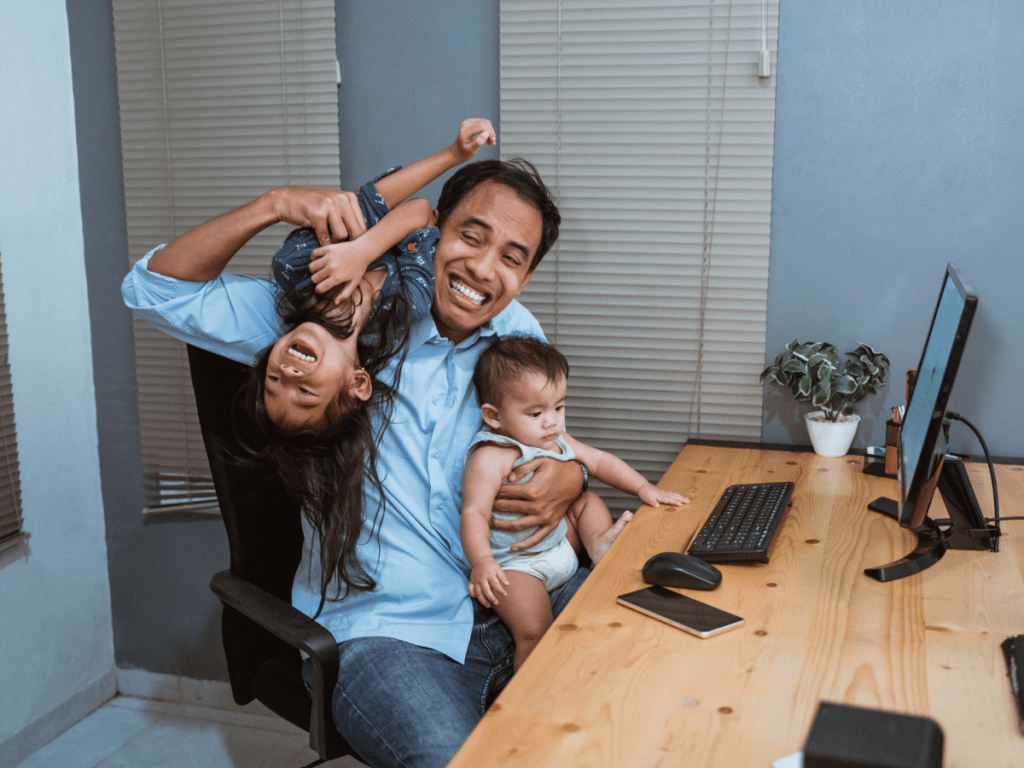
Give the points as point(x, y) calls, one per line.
point(967, 526)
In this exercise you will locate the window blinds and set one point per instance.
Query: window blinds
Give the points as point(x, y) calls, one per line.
point(650, 123)
point(220, 101)
point(10, 478)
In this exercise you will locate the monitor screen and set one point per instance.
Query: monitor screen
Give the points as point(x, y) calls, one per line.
point(922, 445)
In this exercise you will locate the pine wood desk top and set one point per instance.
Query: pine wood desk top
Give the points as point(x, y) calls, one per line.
point(610, 688)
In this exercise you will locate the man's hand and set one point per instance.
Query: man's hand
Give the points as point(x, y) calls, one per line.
point(542, 501)
point(334, 216)
point(473, 134)
point(487, 581)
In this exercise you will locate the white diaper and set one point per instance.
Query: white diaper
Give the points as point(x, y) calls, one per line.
point(552, 566)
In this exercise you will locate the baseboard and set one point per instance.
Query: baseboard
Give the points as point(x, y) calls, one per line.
point(48, 727)
point(182, 690)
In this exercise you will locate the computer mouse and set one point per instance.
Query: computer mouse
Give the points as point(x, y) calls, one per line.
point(674, 569)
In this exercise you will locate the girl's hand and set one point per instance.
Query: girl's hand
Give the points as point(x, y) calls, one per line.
point(653, 496)
point(473, 134)
point(487, 581)
point(338, 264)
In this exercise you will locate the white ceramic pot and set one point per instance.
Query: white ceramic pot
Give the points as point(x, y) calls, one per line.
point(831, 438)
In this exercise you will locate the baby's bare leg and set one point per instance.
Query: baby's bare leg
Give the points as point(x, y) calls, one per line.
point(526, 611)
point(591, 519)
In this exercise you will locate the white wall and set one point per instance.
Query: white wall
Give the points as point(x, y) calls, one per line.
point(56, 638)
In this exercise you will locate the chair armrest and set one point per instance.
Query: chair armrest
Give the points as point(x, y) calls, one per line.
point(299, 631)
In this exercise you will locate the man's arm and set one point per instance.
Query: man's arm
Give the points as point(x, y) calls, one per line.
point(202, 253)
point(406, 182)
point(543, 501)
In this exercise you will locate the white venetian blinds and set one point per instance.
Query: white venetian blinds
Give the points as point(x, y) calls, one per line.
point(220, 100)
point(652, 126)
point(10, 477)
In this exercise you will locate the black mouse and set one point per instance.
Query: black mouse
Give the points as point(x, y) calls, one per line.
point(674, 569)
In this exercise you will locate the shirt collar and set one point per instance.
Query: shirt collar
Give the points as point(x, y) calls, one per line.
point(426, 330)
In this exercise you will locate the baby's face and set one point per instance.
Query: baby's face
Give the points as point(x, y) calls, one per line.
point(533, 410)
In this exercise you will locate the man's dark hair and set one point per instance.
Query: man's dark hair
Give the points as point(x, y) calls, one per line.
point(519, 175)
point(507, 359)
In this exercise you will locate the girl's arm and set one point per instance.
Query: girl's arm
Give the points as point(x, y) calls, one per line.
point(613, 471)
point(202, 253)
point(481, 480)
point(346, 262)
point(407, 181)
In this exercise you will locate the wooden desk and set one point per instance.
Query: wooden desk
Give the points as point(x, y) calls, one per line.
point(610, 687)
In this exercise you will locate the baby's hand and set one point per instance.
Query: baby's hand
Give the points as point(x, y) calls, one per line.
point(653, 496)
point(339, 264)
point(473, 134)
point(486, 581)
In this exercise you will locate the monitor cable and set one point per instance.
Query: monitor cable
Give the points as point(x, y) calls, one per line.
point(951, 416)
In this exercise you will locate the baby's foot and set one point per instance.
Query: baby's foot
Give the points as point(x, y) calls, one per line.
point(598, 545)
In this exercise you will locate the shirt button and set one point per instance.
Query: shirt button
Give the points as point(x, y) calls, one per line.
point(411, 247)
point(438, 399)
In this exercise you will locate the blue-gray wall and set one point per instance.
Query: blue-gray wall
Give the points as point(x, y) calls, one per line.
point(894, 154)
point(898, 149)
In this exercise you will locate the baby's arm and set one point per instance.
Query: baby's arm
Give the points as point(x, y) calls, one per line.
point(481, 479)
point(407, 181)
point(346, 262)
point(613, 471)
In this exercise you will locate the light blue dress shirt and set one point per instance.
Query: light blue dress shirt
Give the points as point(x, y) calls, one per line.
point(413, 549)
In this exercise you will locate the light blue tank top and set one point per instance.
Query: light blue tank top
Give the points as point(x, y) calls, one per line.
point(501, 541)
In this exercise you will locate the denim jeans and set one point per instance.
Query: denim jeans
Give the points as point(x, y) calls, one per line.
point(402, 705)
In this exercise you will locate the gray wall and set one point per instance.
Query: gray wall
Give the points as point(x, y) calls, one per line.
point(894, 154)
point(897, 150)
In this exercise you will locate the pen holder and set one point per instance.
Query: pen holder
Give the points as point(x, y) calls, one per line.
point(886, 467)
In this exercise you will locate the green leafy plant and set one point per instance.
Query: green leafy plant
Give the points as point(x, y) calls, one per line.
point(814, 371)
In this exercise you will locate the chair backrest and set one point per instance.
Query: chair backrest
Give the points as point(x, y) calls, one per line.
point(262, 522)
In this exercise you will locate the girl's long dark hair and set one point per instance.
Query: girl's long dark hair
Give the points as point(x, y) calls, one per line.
point(324, 466)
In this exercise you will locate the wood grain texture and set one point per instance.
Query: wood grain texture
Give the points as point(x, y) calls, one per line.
point(608, 687)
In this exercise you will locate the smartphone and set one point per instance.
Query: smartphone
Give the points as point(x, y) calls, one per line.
point(681, 611)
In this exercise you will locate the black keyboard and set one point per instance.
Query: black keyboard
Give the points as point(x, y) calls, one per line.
point(743, 523)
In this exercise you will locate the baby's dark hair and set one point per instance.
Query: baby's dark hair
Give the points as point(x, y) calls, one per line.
point(509, 358)
point(324, 465)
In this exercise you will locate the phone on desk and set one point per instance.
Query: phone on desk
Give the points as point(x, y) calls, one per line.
point(681, 611)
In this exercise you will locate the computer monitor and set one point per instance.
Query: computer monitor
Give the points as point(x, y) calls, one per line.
point(922, 462)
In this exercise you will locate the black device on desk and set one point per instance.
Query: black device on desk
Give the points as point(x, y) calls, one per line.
point(743, 523)
point(922, 463)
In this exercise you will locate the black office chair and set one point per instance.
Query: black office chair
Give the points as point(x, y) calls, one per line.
point(262, 632)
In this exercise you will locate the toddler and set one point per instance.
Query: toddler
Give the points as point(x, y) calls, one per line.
point(521, 385)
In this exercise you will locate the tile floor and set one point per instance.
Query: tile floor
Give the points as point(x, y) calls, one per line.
point(128, 732)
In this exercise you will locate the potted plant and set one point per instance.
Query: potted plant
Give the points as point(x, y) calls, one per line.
point(814, 371)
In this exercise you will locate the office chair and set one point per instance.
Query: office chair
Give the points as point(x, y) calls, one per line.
point(262, 632)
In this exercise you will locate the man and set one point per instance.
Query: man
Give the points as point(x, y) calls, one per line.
point(418, 657)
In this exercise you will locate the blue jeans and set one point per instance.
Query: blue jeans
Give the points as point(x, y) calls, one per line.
point(398, 704)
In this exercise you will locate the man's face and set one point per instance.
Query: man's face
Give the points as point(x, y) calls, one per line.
point(482, 260)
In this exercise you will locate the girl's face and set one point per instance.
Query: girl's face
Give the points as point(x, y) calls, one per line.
point(307, 370)
point(532, 411)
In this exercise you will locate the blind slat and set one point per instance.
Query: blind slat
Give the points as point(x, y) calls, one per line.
point(220, 101)
point(652, 128)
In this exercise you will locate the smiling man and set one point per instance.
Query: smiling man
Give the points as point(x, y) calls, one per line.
point(419, 658)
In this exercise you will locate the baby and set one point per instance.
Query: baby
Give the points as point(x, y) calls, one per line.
point(521, 385)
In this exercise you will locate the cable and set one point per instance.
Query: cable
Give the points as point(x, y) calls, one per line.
point(991, 468)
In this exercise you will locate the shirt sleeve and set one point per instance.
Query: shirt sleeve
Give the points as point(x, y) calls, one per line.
point(416, 270)
point(233, 315)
